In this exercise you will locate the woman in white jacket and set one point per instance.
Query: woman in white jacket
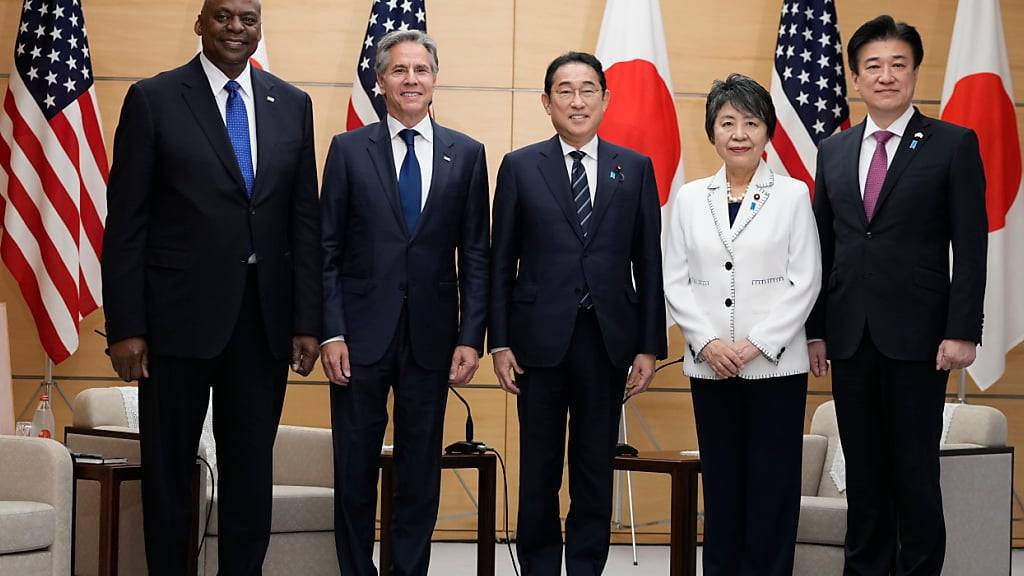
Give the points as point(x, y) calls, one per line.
point(742, 271)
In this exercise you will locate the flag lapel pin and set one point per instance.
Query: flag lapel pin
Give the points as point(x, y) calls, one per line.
point(446, 158)
point(270, 99)
point(918, 136)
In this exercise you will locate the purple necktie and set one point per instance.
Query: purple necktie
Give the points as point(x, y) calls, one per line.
point(876, 173)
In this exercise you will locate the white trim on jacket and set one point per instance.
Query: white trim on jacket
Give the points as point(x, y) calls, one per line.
point(757, 279)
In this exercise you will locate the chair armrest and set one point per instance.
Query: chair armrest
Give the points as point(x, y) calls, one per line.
point(815, 450)
point(304, 456)
point(976, 501)
point(112, 443)
point(36, 470)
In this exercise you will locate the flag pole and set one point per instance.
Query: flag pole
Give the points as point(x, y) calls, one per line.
point(961, 392)
point(47, 385)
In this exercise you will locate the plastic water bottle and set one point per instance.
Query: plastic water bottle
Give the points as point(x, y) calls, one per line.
point(42, 424)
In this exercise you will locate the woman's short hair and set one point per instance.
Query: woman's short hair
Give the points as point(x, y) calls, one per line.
point(746, 95)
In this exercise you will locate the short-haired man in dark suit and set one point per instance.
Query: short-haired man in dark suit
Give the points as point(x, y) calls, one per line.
point(891, 195)
point(404, 201)
point(576, 300)
point(211, 278)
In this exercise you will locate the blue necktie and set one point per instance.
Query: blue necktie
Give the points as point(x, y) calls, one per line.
point(410, 183)
point(237, 122)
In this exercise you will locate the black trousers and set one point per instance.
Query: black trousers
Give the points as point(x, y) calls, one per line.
point(751, 446)
point(890, 422)
point(359, 416)
point(248, 386)
point(589, 389)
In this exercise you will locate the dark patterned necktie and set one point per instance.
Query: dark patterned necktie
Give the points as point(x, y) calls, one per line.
point(584, 208)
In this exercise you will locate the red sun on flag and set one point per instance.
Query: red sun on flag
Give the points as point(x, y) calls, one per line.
point(980, 102)
point(639, 83)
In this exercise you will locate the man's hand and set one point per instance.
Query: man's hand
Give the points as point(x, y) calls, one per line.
point(817, 353)
point(506, 368)
point(334, 357)
point(130, 358)
point(746, 351)
point(722, 358)
point(955, 354)
point(640, 376)
point(305, 350)
point(465, 361)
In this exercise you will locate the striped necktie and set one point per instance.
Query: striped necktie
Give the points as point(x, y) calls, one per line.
point(584, 208)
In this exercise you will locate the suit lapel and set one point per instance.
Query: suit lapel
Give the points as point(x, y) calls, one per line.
point(266, 126)
point(757, 196)
point(552, 168)
point(197, 95)
point(904, 156)
point(718, 205)
point(851, 158)
point(444, 158)
point(379, 148)
point(609, 178)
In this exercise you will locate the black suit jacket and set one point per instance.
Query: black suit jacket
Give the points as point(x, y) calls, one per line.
point(893, 275)
point(373, 265)
point(541, 262)
point(180, 229)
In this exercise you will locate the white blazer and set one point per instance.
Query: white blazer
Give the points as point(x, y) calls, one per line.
point(757, 279)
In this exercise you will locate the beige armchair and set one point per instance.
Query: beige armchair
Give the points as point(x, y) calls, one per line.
point(302, 526)
point(35, 507)
point(976, 479)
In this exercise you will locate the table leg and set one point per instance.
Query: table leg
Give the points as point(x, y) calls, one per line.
point(683, 549)
point(108, 528)
point(486, 487)
point(386, 507)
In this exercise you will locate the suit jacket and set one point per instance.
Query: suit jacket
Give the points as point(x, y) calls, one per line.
point(541, 261)
point(180, 228)
point(373, 265)
point(892, 275)
point(756, 279)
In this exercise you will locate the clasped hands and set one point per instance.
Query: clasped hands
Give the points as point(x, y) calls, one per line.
point(728, 359)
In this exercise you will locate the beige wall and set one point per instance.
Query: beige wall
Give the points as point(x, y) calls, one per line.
point(492, 55)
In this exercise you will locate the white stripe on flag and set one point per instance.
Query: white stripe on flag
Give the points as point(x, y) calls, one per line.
point(794, 127)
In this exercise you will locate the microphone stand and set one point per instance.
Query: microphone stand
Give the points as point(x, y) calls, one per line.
point(467, 446)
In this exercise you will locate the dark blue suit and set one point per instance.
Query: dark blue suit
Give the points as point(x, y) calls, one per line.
point(887, 302)
point(574, 359)
point(403, 305)
point(176, 271)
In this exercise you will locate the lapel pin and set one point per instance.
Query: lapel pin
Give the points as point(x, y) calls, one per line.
point(757, 197)
point(753, 205)
point(611, 175)
point(446, 158)
point(270, 98)
point(913, 143)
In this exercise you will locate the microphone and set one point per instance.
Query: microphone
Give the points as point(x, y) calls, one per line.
point(624, 449)
point(467, 446)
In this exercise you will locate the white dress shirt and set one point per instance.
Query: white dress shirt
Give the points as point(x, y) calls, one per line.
point(217, 81)
point(589, 163)
point(867, 146)
point(424, 144)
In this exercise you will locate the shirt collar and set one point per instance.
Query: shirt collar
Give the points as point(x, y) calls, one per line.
point(218, 78)
point(590, 148)
point(424, 128)
point(898, 127)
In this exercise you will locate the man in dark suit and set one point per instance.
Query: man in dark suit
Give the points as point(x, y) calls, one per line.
point(211, 278)
point(403, 201)
point(576, 299)
point(890, 197)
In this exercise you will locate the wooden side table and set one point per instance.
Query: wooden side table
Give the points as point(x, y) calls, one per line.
point(683, 471)
point(485, 466)
point(110, 478)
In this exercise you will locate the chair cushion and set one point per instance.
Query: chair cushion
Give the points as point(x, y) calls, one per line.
point(822, 521)
point(296, 509)
point(26, 526)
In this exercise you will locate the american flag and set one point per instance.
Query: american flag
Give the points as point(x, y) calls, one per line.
point(808, 87)
point(366, 105)
point(54, 175)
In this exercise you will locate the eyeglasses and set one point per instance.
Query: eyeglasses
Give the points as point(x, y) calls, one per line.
point(567, 94)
